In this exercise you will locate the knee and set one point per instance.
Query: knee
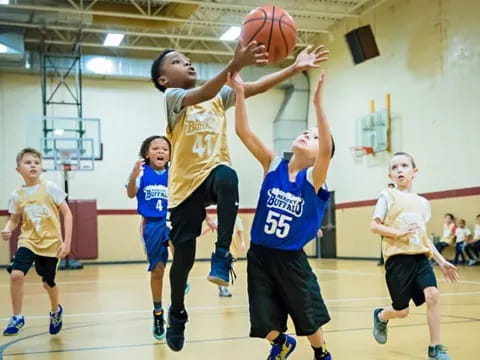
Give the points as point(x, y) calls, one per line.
point(17, 276)
point(157, 273)
point(48, 283)
point(402, 314)
point(228, 179)
point(432, 296)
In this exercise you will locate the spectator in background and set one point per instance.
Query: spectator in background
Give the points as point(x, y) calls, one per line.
point(462, 235)
point(448, 236)
point(473, 245)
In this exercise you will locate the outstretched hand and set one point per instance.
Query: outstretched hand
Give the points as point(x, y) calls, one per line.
point(250, 54)
point(309, 59)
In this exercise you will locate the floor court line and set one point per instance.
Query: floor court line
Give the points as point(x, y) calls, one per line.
point(225, 307)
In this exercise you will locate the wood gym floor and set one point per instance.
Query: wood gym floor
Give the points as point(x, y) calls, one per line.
point(108, 316)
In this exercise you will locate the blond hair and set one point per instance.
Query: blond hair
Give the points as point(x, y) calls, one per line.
point(28, 150)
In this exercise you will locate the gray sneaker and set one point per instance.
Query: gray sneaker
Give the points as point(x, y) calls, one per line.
point(223, 291)
point(438, 352)
point(380, 330)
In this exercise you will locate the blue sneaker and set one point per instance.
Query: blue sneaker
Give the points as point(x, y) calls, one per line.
point(438, 352)
point(14, 326)
point(281, 352)
point(158, 329)
point(56, 321)
point(176, 331)
point(220, 267)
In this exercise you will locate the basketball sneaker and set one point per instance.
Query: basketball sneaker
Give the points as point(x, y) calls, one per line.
point(223, 291)
point(438, 352)
point(158, 329)
point(176, 330)
point(56, 321)
point(14, 326)
point(380, 330)
point(282, 351)
point(220, 267)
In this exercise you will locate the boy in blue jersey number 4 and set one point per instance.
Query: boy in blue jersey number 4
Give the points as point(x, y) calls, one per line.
point(291, 205)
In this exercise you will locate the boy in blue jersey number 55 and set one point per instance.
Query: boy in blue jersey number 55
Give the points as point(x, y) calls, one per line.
point(291, 204)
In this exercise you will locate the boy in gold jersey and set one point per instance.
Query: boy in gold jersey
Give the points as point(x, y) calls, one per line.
point(38, 204)
point(201, 173)
point(401, 217)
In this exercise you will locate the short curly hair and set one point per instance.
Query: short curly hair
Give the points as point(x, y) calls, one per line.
point(156, 70)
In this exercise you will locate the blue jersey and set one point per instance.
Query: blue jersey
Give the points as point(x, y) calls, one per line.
point(288, 213)
point(152, 194)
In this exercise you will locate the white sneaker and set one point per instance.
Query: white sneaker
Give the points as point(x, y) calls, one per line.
point(472, 262)
point(223, 291)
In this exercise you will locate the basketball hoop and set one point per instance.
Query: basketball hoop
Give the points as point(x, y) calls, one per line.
point(361, 151)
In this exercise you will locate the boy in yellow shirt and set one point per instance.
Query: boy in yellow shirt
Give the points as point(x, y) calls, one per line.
point(201, 172)
point(38, 204)
point(400, 218)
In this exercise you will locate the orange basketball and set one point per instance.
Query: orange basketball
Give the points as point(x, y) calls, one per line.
point(273, 27)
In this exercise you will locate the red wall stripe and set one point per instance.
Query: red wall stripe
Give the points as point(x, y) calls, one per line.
point(430, 196)
point(347, 205)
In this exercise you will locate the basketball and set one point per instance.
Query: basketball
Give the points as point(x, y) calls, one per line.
point(273, 27)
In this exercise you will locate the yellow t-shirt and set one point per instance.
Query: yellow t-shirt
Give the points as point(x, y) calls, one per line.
point(41, 230)
point(199, 144)
point(403, 209)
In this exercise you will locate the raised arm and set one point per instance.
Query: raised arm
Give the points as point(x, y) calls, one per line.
point(132, 180)
point(307, 59)
point(324, 152)
point(253, 143)
point(244, 55)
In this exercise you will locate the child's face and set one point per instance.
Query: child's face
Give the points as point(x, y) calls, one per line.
point(158, 154)
point(177, 71)
point(447, 219)
point(402, 171)
point(461, 224)
point(30, 167)
point(307, 143)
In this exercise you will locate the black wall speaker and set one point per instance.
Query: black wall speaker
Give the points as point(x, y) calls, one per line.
point(362, 44)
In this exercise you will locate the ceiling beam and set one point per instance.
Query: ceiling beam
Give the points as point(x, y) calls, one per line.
point(128, 33)
point(227, 6)
point(135, 16)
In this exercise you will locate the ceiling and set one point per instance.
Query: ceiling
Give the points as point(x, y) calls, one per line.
point(190, 26)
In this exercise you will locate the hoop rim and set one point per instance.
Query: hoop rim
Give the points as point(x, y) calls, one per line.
point(362, 150)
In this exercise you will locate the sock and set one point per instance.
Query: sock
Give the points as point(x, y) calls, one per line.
point(320, 352)
point(379, 318)
point(157, 307)
point(280, 339)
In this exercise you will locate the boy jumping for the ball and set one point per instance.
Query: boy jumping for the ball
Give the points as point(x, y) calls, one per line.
point(201, 173)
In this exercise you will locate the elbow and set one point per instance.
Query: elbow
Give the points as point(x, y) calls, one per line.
point(373, 228)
